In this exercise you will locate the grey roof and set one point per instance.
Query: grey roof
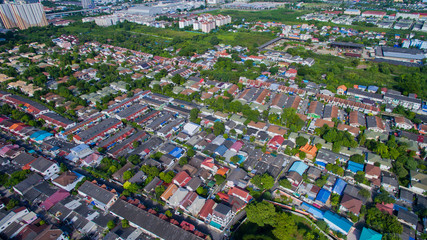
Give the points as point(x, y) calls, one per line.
point(221, 210)
point(365, 94)
point(353, 191)
point(58, 118)
point(102, 195)
point(407, 216)
point(194, 183)
point(26, 184)
point(42, 164)
point(98, 128)
point(37, 105)
point(406, 195)
point(23, 159)
point(329, 156)
point(127, 112)
point(149, 222)
point(139, 177)
point(150, 186)
point(371, 122)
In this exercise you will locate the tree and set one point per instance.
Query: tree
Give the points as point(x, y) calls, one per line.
point(202, 191)
point(382, 222)
point(167, 177)
point(301, 141)
point(11, 204)
point(285, 183)
point(63, 167)
point(357, 158)
point(285, 226)
point(111, 224)
point(218, 128)
point(335, 199)
point(302, 155)
point(159, 190)
point(234, 159)
point(263, 182)
point(127, 175)
point(261, 213)
point(168, 213)
point(194, 114)
point(136, 144)
point(125, 223)
point(191, 152)
point(364, 193)
point(219, 179)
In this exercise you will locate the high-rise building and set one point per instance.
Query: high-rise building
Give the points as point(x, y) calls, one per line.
point(22, 16)
point(88, 4)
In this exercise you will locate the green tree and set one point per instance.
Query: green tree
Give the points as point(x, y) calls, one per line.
point(285, 226)
point(382, 222)
point(111, 224)
point(11, 204)
point(127, 175)
point(301, 141)
point(364, 193)
point(125, 223)
point(261, 213)
point(285, 183)
point(219, 179)
point(167, 177)
point(357, 158)
point(263, 182)
point(218, 128)
point(194, 114)
point(202, 191)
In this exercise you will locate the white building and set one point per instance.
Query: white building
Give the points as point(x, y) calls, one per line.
point(45, 167)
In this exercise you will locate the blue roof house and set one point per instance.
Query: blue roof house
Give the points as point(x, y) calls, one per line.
point(323, 196)
point(355, 167)
point(372, 89)
point(317, 213)
point(40, 136)
point(339, 186)
point(337, 223)
point(298, 167)
point(369, 234)
point(177, 152)
point(221, 150)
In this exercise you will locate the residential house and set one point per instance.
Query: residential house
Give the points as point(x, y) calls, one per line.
point(99, 197)
point(45, 167)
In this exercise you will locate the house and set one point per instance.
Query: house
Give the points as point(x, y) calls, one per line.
point(240, 193)
point(193, 184)
point(337, 223)
point(45, 167)
point(152, 226)
point(207, 209)
point(389, 182)
point(313, 173)
point(181, 179)
point(97, 196)
point(118, 175)
point(339, 186)
point(341, 89)
point(356, 119)
point(221, 215)
point(372, 172)
point(406, 217)
point(406, 196)
point(369, 234)
point(191, 128)
point(236, 178)
point(418, 182)
point(351, 204)
point(375, 124)
point(170, 190)
point(274, 130)
point(276, 142)
point(323, 196)
point(67, 180)
point(79, 152)
point(310, 150)
point(354, 167)
point(402, 122)
point(315, 110)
